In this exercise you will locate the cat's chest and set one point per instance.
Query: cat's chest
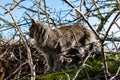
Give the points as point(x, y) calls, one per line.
point(49, 48)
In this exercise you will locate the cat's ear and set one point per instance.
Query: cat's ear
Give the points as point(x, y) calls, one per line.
point(33, 22)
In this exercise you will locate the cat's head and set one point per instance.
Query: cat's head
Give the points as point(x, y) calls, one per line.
point(37, 28)
point(32, 28)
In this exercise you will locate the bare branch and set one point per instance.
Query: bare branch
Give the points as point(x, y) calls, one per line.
point(7, 22)
point(117, 25)
point(113, 39)
point(68, 77)
point(47, 16)
point(83, 17)
point(17, 3)
point(96, 6)
point(16, 70)
point(80, 68)
point(110, 27)
point(115, 74)
point(28, 50)
point(104, 20)
point(106, 72)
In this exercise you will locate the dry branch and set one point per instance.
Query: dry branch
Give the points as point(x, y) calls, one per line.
point(27, 48)
point(17, 3)
point(110, 27)
point(104, 55)
point(15, 71)
point(97, 9)
point(117, 73)
point(6, 63)
point(7, 22)
point(104, 20)
point(80, 68)
point(113, 39)
point(91, 27)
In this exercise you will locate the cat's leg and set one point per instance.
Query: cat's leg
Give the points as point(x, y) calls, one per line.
point(57, 63)
point(49, 64)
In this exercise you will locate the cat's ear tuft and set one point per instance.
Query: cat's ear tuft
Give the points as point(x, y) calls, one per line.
point(33, 22)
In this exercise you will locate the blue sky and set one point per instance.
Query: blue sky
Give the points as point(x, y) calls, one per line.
point(17, 13)
point(56, 5)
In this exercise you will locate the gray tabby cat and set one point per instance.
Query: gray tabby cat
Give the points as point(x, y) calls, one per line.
point(54, 43)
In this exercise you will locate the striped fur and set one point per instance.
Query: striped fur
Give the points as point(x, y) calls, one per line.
point(53, 43)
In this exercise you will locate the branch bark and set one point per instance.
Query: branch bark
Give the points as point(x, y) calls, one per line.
point(91, 27)
point(105, 37)
point(32, 66)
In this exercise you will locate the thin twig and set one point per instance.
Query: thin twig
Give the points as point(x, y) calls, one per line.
point(17, 3)
point(28, 50)
point(115, 74)
point(39, 6)
point(81, 5)
point(97, 9)
point(16, 70)
point(45, 9)
point(114, 42)
point(80, 68)
point(104, 20)
point(68, 77)
point(86, 20)
point(110, 27)
point(104, 62)
point(114, 39)
point(7, 22)
point(117, 25)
